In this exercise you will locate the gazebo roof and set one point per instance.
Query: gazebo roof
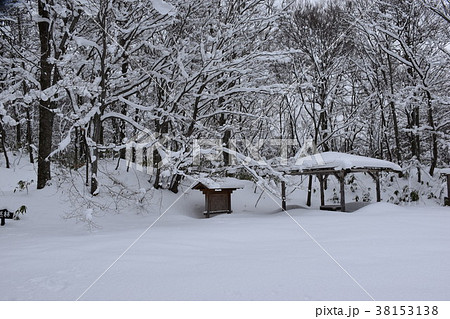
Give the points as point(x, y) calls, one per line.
point(335, 161)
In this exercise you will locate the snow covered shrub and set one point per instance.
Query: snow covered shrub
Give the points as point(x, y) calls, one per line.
point(335, 197)
point(351, 179)
point(406, 195)
point(23, 185)
point(84, 215)
point(20, 211)
point(366, 196)
point(414, 196)
point(122, 192)
point(431, 195)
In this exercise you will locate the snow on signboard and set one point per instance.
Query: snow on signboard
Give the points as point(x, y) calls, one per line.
point(221, 183)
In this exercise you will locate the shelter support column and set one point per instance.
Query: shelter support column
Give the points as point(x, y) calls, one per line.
point(342, 186)
point(376, 178)
point(283, 195)
point(322, 194)
point(447, 200)
point(378, 188)
point(308, 198)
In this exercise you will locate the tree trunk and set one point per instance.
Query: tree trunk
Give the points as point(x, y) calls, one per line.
point(46, 115)
point(225, 140)
point(121, 126)
point(96, 121)
point(25, 89)
point(29, 135)
point(394, 113)
point(94, 156)
point(434, 145)
point(2, 142)
point(175, 183)
point(18, 129)
point(76, 151)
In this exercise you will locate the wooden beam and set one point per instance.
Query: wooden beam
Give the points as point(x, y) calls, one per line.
point(283, 195)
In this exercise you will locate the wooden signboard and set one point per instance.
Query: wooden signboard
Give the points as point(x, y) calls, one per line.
point(217, 199)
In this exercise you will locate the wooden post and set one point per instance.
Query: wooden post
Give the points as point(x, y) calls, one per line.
point(377, 182)
point(342, 184)
point(322, 194)
point(447, 200)
point(206, 203)
point(283, 195)
point(308, 199)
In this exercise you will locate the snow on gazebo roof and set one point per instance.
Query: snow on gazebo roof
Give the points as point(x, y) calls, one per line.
point(341, 161)
point(219, 183)
point(445, 171)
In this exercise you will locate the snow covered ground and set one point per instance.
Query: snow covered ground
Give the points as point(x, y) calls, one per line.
point(257, 253)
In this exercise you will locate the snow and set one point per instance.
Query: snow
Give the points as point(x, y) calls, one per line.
point(219, 183)
point(88, 214)
point(85, 42)
point(447, 47)
point(62, 145)
point(278, 4)
point(256, 253)
point(445, 171)
point(8, 120)
point(338, 161)
point(163, 7)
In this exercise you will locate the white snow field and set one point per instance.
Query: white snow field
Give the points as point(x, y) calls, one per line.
point(381, 251)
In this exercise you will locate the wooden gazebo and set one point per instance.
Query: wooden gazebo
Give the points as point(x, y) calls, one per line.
point(339, 165)
point(217, 194)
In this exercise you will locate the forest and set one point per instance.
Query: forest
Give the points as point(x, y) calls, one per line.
point(82, 81)
point(125, 124)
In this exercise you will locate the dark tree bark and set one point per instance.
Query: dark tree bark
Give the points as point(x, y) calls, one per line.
point(394, 113)
point(121, 126)
point(225, 140)
point(25, 89)
point(94, 160)
point(46, 116)
point(434, 145)
point(49, 75)
point(76, 164)
point(96, 122)
point(29, 135)
point(2, 142)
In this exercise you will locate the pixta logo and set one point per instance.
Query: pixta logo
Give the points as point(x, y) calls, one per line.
point(147, 151)
point(141, 151)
